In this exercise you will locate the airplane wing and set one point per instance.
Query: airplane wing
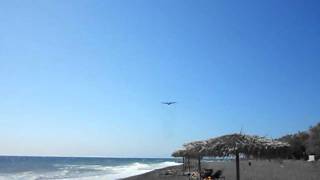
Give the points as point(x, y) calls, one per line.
point(168, 103)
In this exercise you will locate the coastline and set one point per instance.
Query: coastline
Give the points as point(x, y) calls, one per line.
point(84, 168)
point(259, 170)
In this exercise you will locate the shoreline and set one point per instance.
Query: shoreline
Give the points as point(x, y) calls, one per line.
point(259, 170)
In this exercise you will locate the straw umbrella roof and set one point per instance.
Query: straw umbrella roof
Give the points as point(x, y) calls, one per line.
point(230, 144)
point(191, 149)
point(194, 148)
point(250, 145)
point(179, 153)
point(234, 144)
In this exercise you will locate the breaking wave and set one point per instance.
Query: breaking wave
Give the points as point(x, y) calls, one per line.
point(86, 172)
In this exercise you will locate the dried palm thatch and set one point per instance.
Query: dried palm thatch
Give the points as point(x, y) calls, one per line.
point(234, 144)
point(194, 148)
point(230, 144)
point(179, 153)
point(246, 144)
point(191, 149)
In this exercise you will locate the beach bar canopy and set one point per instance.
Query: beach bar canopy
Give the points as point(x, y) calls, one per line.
point(235, 144)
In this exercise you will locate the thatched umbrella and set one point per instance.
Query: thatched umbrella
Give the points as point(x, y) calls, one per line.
point(193, 149)
point(181, 153)
point(246, 144)
point(190, 150)
point(234, 144)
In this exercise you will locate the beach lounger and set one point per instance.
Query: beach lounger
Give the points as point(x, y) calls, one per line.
point(207, 173)
point(218, 175)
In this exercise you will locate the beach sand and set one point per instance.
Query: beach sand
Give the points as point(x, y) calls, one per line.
point(259, 170)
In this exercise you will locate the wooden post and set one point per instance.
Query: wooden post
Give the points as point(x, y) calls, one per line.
point(199, 166)
point(189, 163)
point(183, 164)
point(238, 165)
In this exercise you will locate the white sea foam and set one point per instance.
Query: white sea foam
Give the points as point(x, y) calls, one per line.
point(131, 170)
point(88, 172)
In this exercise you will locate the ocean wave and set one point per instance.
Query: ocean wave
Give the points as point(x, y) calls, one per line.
point(89, 172)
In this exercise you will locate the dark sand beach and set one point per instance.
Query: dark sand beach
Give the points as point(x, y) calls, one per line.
point(259, 170)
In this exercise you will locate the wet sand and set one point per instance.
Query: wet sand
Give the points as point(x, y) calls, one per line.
point(259, 170)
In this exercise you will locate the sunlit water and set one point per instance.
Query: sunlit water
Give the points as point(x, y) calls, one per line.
point(41, 168)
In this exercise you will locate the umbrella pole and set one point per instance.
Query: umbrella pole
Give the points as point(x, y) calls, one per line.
point(189, 164)
point(199, 167)
point(237, 165)
point(199, 164)
point(183, 165)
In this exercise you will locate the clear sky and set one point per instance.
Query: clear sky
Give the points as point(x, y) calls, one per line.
point(86, 78)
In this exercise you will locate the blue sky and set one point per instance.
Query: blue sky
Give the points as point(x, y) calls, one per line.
point(86, 78)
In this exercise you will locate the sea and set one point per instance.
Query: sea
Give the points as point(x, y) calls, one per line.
point(82, 168)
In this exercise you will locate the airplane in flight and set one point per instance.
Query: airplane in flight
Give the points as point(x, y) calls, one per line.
point(169, 103)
